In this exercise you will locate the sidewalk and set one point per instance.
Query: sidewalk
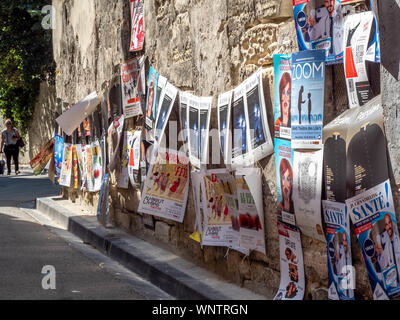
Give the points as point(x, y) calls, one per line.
point(176, 276)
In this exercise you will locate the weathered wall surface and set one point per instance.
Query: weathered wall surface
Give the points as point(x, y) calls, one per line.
point(207, 48)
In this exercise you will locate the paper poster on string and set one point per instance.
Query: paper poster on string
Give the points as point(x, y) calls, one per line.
point(183, 119)
point(96, 169)
point(152, 85)
point(123, 176)
point(319, 25)
point(137, 31)
point(58, 153)
point(224, 125)
point(66, 169)
point(82, 163)
point(129, 89)
point(307, 110)
point(134, 141)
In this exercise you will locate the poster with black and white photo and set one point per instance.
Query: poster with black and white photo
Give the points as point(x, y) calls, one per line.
point(307, 187)
point(224, 128)
point(240, 148)
point(183, 119)
point(151, 98)
point(130, 89)
point(204, 124)
point(193, 117)
point(167, 101)
point(134, 141)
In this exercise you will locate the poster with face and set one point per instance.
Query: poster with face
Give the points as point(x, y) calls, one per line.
point(166, 187)
point(167, 101)
point(283, 88)
point(66, 169)
point(224, 128)
point(291, 261)
point(319, 25)
point(307, 187)
point(284, 183)
point(137, 31)
point(239, 134)
point(307, 109)
point(130, 78)
point(58, 153)
point(151, 98)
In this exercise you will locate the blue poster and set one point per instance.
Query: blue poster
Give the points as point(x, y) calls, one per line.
point(307, 96)
point(319, 25)
point(58, 154)
point(151, 98)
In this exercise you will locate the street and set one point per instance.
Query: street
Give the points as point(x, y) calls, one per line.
point(27, 246)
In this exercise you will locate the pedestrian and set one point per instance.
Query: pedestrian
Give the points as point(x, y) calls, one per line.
point(9, 139)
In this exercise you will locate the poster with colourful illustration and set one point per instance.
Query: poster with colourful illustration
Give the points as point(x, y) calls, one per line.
point(319, 25)
point(123, 176)
point(307, 110)
point(66, 169)
point(134, 141)
point(151, 98)
point(130, 79)
point(96, 166)
point(58, 153)
point(82, 163)
point(166, 187)
point(137, 31)
point(283, 89)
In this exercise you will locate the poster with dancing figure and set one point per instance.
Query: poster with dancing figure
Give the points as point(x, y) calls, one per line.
point(137, 26)
point(130, 78)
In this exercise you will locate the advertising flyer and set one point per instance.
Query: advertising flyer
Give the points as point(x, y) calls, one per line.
point(75, 166)
point(292, 283)
point(357, 29)
point(224, 127)
point(319, 25)
point(374, 220)
point(123, 176)
point(58, 153)
point(137, 31)
point(205, 104)
point(82, 163)
point(308, 83)
point(96, 166)
point(130, 75)
point(283, 89)
point(114, 140)
point(307, 187)
point(134, 141)
point(166, 188)
point(161, 83)
point(151, 98)
point(284, 183)
point(167, 101)
point(197, 235)
point(250, 209)
point(336, 217)
point(66, 169)
point(183, 118)
point(89, 177)
point(39, 162)
point(102, 205)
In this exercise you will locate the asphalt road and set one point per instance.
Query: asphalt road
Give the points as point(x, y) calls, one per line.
point(26, 247)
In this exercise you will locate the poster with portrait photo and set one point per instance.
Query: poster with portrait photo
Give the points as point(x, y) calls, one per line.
point(307, 109)
point(240, 147)
point(224, 128)
point(167, 101)
point(319, 25)
point(250, 209)
point(307, 188)
point(282, 102)
point(151, 98)
point(166, 187)
point(292, 283)
point(130, 78)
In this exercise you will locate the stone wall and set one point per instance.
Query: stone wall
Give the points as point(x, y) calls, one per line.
point(207, 48)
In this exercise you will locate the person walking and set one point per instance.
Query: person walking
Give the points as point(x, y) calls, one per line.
point(9, 139)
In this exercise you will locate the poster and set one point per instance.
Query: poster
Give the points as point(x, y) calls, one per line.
point(240, 147)
point(151, 98)
point(193, 134)
point(82, 163)
point(39, 162)
point(284, 183)
point(66, 169)
point(166, 187)
point(183, 118)
point(58, 153)
point(167, 101)
point(75, 166)
point(197, 235)
point(123, 176)
point(308, 83)
point(130, 77)
point(374, 220)
point(283, 89)
point(161, 83)
point(292, 283)
point(341, 284)
point(357, 29)
point(114, 141)
point(319, 25)
point(250, 209)
point(204, 125)
point(102, 205)
point(224, 128)
point(137, 31)
point(307, 187)
point(134, 141)
point(96, 167)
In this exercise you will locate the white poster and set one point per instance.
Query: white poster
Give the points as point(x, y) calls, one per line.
point(292, 284)
point(134, 140)
point(66, 169)
point(357, 30)
point(167, 185)
point(96, 166)
point(82, 163)
point(196, 177)
point(307, 187)
point(123, 176)
point(224, 127)
point(130, 77)
point(183, 119)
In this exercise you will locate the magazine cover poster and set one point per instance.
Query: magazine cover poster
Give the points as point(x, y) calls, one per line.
point(307, 183)
point(166, 103)
point(319, 25)
point(337, 221)
point(224, 115)
point(307, 110)
point(239, 134)
point(291, 261)
point(151, 98)
point(205, 104)
point(66, 169)
point(137, 31)
point(129, 89)
point(58, 153)
point(283, 89)
point(357, 28)
point(166, 187)
point(374, 220)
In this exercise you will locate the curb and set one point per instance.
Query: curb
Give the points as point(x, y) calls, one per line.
point(171, 273)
